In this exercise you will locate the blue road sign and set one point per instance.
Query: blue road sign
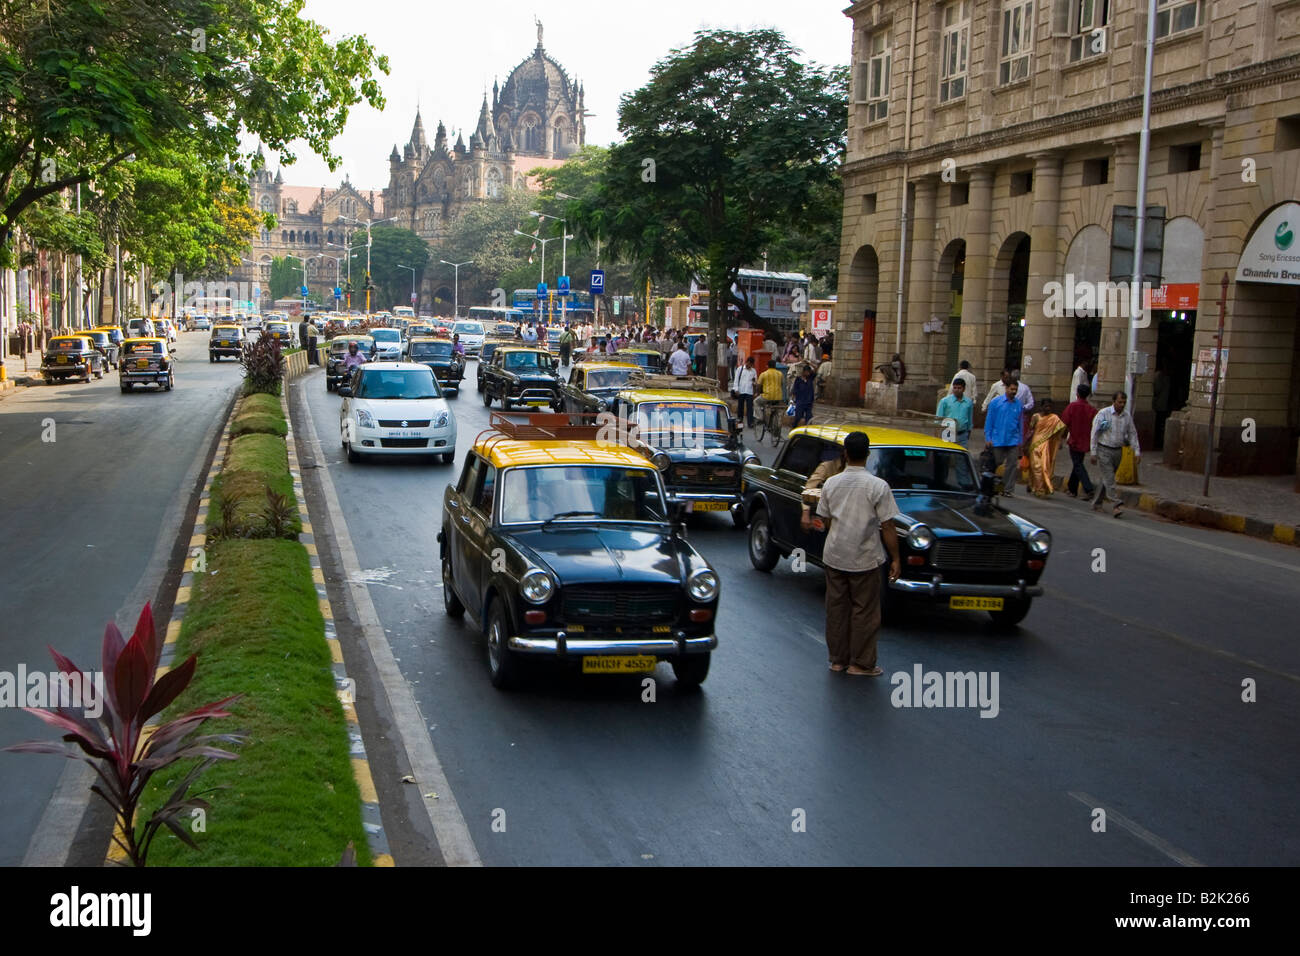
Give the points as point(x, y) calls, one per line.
point(562, 285)
point(338, 292)
point(597, 282)
point(541, 290)
point(304, 291)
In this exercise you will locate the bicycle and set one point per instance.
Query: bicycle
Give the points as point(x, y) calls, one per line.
point(769, 423)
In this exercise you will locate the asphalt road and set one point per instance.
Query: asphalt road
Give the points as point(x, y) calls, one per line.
point(89, 522)
point(1121, 693)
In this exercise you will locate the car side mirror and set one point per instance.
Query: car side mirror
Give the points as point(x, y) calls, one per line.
point(345, 391)
point(677, 512)
point(988, 484)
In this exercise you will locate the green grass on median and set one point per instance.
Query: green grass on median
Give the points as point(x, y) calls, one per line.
point(250, 423)
point(255, 622)
point(254, 463)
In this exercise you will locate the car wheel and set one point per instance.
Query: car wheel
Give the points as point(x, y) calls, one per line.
point(1012, 613)
point(171, 381)
point(450, 602)
point(763, 554)
point(354, 456)
point(738, 517)
point(487, 398)
point(125, 388)
point(448, 457)
point(99, 374)
point(690, 671)
point(329, 386)
point(503, 664)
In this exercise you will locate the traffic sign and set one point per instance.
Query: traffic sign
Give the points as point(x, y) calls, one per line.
point(597, 282)
point(414, 297)
point(304, 291)
point(562, 285)
point(338, 293)
point(257, 292)
point(541, 290)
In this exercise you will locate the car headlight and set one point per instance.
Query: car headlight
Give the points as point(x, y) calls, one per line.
point(602, 405)
point(703, 585)
point(1040, 541)
point(536, 586)
point(661, 461)
point(749, 459)
point(920, 538)
point(365, 419)
point(442, 420)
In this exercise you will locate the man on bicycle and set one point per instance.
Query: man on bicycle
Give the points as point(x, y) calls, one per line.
point(771, 386)
point(802, 395)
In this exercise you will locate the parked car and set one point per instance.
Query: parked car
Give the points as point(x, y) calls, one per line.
point(226, 339)
point(957, 548)
point(472, 335)
point(440, 355)
point(71, 356)
point(109, 349)
point(146, 362)
point(396, 408)
point(570, 551)
point(335, 372)
point(593, 385)
point(694, 441)
point(521, 375)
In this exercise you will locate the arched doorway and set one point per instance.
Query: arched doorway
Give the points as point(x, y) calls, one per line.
point(444, 298)
point(858, 328)
point(950, 280)
point(1010, 288)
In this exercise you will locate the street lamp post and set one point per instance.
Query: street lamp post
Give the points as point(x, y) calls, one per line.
point(289, 255)
point(455, 307)
point(564, 249)
point(411, 269)
point(529, 235)
point(350, 256)
point(594, 302)
point(369, 242)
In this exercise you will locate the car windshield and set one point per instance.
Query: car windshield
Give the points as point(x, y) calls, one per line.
point(595, 491)
point(682, 424)
point(525, 360)
point(144, 348)
point(430, 350)
point(386, 335)
point(67, 345)
point(644, 359)
point(390, 383)
point(277, 327)
point(469, 328)
point(340, 346)
point(504, 329)
point(923, 469)
point(226, 332)
point(415, 330)
point(607, 377)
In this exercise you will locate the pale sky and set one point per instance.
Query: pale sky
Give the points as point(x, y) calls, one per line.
point(444, 55)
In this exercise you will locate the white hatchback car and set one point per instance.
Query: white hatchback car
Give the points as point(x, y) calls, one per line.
point(396, 408)
point(388, 344)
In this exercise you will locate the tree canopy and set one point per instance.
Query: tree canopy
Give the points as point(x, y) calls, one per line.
point(392, 248)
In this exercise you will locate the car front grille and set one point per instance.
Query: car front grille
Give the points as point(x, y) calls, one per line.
point(408, 423)
point(706, 476)
point(620, 605)
point(403, 443)
point(977, 554)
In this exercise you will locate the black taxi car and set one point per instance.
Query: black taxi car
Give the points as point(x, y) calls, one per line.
point(226, 339)
point(593, 385)
point(71, 356)
point(652, 360)
point(440, 355)
point(956, 547)
point(521, 375)
point(335, 373)
point(490, 345)
point(108, 339)
point(146, 362)
point(565, 547)
point(694, 441)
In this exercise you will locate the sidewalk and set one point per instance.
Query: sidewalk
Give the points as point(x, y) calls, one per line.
point(1263, 506)
point(14, 374)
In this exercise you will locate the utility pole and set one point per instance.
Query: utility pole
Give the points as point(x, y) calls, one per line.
point(1144, 151)
point(369, 242)
point(1214, 386)
point(455, 308)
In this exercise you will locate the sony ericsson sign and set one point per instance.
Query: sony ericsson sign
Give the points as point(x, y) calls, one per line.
point(1272, 253)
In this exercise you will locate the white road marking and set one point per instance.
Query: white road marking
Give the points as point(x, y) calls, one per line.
point(449, 826)
point(1181, 857)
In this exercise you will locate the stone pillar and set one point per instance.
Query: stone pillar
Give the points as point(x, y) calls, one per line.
point(922, 363)
point(1043, 368)
point(975, 345)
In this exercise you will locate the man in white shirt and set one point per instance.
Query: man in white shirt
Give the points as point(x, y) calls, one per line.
point(1080, 377)
point(1112, 429)
point(810, 353)
point(860, 507)
point(966, 375)
point(530, 335)
point(1023, 395)
point(679, 363)
point(745, 383)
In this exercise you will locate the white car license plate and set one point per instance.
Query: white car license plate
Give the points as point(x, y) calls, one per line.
point(406, 433)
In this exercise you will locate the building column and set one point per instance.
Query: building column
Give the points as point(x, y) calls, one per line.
point(975, 345)
point(1044, 367)
point(920, 286)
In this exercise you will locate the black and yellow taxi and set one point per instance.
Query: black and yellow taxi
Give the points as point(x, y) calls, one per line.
point(491, 343)
point(694, 441)
point(286, 333)
point(112, 349)
point(71, 356)
point(227, 339)
point(146, 362)
point(652, 360)
point(593, 385)
point(440, 355)
point(565, 547)
point(335, 372)
point(957, 548)
point(521, 375)
point(105, 345)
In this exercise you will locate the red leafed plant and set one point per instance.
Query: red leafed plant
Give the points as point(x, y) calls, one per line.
point(123, 752)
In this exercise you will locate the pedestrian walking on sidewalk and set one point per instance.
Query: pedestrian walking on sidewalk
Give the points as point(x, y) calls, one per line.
point(1112, 429)
point(1004, 433)
point(860, 508)
point(1078, 416)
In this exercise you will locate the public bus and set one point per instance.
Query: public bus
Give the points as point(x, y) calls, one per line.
point(490, 316)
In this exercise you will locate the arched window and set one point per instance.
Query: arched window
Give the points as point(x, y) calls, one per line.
point(292, 237)
point(329, 235)
point(265, 204)
point(558, 138)
point(284, 235)
point(430, 220)
point(532, 135)
point(265, 235)
point(494, 183)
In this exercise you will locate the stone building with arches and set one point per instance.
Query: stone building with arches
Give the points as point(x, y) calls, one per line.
point(1010, 174)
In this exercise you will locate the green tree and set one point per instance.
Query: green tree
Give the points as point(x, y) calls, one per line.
point(724, 148)
point(392, 247)
point(88, 83)
point(483, 235)
point(286, 278)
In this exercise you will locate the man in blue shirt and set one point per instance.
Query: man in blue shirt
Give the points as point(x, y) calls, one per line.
point(803, 393)
point(1003, 433)
point(959, 408)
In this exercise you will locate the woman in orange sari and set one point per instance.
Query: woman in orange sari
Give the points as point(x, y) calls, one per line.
point(1045, 430)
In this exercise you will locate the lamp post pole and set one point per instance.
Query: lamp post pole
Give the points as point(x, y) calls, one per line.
point(369, 242)
point(410, 269)
point(455, 308)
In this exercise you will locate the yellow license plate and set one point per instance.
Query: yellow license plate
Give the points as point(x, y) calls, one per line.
point(142, 363)
point(975, 603)
point(63, 360)
point(709, 506)
point(638, 664)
